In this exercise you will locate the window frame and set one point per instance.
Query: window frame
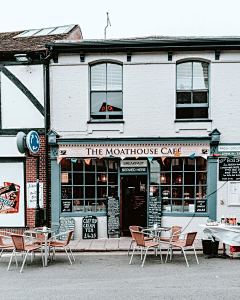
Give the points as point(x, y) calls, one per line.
point(107, 113)
point(192, 90)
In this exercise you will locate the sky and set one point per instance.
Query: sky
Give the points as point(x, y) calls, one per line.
point(129, 18)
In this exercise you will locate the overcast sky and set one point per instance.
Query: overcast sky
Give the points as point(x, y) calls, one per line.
point(129, 18)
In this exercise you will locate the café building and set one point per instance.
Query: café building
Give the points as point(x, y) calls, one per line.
point(138, 120)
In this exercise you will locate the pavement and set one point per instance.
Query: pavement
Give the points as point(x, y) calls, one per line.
point(115, 244)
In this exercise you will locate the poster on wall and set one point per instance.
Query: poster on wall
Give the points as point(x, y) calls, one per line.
point(32, 195)
point(12, 208)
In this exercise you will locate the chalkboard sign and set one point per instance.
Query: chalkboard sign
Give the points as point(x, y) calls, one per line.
point(154, 211)
point(90, 227)
point(201, 205)
point(113, 216)
point(229, 169)
point(66, 224)
point(67, 206)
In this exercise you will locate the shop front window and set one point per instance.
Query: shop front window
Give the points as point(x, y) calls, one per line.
point(180, 182)
point(86, 186)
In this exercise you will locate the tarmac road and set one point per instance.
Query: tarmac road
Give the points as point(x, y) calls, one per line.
point(109, 276)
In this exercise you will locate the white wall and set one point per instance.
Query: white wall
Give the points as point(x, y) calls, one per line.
point(148, 96)
point(17, 109)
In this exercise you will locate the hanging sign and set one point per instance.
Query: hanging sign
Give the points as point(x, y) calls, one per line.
point(133, 166)
point(229, 169)
point(33, 141)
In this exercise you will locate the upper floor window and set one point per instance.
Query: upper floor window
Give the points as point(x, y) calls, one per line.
point(192, 90)
point(106, 91)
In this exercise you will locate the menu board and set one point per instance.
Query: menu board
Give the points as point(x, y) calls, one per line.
point(201, 205)
point(154, 211)
point(90, 227)
point(66, 224)
point(113, 216)
point(66, 206)
point(229, 169)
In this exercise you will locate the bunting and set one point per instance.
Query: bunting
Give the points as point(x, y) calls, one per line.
point(100, 157)
point(150, 159)
point(111, 156)
point(232, 157)
point(163, 160)
point(73, 160)
point(87, 161)
point(177, 154)
point(59, 160)
point(122, 158)
point(192, 155)
point(137, 157)
point(204, 156)
point(215, 155)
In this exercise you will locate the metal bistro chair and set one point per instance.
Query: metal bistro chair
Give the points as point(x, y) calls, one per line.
point(174, 237)
point(183, 245)
point(143, 245)
point(21, 247)
point(136, 228)
point(4, 245)
point(53, 243)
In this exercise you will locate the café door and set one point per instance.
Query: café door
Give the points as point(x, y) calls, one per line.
point(133, 202)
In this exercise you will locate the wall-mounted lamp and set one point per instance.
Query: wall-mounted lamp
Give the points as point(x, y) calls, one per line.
point(221, 201)
point(23, 58)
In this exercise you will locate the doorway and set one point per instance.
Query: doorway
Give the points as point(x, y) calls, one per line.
point(133, 202)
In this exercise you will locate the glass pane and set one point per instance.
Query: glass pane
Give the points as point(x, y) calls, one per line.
point(66, 193)
point(183, 98)
point(189, 192)
point(98, 77)
point(177, 164)
point(66, 178)
point(101, 192)
point(78, 166)
point(101, 165)
point(113, 179)
point(101, 206)
point(177, 178)
point(91, 166)
point(154, 191)
point(166, 165)
point(78, 179)
point(189, 178)
point(201, 164)
point(112, 191)
point(189, 206)
point(155, 167)
point(166, 192)
point(184, 76)
point(201, 192)
point(177, 192)
point(114, 77)
point(165, 178)
point(78, 205)
point(98, 102)
point(192, 113)
point(90, 206)
point(112, 165)
point(189, 164)
point(177, 206)
point(77, 192)
point(114, 101)
point(166, 205)
point(200, 97)
point(90, 178)
point(154, 178)
point(101, 179)
point(89, 192)
point(201, 178)
point(200, 75)
point(66, 165)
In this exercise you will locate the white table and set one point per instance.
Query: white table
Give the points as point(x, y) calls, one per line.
point(45, 233)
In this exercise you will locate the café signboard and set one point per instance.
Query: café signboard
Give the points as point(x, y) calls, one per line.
point(132, 150)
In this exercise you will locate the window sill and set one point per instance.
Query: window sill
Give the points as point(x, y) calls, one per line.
point(192, 120)
point(106, 121)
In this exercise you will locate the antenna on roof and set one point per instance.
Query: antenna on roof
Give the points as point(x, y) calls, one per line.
point(108, 23)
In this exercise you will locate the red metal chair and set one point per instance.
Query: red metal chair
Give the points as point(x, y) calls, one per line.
point(21, 247)
point(4, 245)
point(183, 245)
point(137, 228)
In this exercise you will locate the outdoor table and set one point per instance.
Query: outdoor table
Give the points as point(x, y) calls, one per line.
point(157, 232)
point(45, 233)
point(227, 234)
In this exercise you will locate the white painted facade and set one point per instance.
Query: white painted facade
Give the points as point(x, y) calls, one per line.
point(149, 104)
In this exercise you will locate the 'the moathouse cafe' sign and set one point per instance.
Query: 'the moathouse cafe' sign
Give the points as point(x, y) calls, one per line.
point(132, 150)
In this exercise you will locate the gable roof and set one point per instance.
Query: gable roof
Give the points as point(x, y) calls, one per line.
point(9, 42)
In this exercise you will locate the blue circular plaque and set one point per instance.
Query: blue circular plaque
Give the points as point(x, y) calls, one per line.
point(33, 141)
